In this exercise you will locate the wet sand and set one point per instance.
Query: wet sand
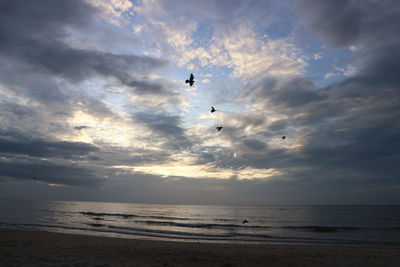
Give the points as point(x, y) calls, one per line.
point(36, 248)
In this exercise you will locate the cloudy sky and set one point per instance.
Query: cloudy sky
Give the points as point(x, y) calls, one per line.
point(93, 102)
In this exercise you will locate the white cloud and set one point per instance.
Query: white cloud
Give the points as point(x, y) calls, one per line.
point(245, 53)
point(111, 10)
point(149, 8)
point(329, 75)
point(317, 56)
point(177, 37)
point(250, 56)
point(350, 71)
point(347, 71)
point(240, 48)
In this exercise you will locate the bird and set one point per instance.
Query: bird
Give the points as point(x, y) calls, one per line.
point(213, 109)
point(219, 128)
point(191, 80)
point(34, 178)
point(245, 221)
point(283, 137)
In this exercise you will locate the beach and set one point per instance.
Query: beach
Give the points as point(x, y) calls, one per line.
point(38, 248)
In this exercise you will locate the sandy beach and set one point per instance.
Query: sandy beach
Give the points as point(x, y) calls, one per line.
point(36, 248)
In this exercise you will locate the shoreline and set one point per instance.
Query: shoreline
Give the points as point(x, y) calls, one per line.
point(39, 248)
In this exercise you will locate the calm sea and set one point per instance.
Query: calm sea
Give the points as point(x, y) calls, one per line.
point(377, 226)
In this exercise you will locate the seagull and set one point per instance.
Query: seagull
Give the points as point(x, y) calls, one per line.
point(219, 128)
point(191, 80)
point(213, 109)
point(245, 221)
point(283, 137)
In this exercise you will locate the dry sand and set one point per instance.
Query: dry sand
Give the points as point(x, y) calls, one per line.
point(35, 248)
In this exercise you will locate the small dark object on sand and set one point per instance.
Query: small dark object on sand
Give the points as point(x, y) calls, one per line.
point(245, 221)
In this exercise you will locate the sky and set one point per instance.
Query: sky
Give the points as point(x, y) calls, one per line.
point(94, 104)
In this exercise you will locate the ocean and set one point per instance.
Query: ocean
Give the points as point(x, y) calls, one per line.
point(364, 226)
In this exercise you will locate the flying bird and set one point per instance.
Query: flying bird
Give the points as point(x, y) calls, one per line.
point(245, 221)
point(191, 80)
point(213, 109)
point(283, 137)
point(219, 128)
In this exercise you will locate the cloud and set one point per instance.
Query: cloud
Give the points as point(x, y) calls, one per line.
point(216, 35)
point(77, 112)
point(250, 56)
point(254, 144)
point(344, 23)
point(290, 92)
point(37, 38)
point(113, 10)
point(55, 173)
point(153, 93)
point(166, 127)
point(81, 127)
point(13, 142)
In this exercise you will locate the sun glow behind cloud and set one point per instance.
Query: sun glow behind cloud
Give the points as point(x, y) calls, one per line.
point(111, 131)
point(195, 171)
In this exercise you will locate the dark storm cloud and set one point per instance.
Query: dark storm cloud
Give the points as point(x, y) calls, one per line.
point(50, 172)
point(19, 111)
point(165, 127)
point(35, 33)
point(278, 125)
point(350, 130)
point(254, 144)
point(289, 92)
point(24, 156)
point(155, 92)
point(76, 65)
point(13, 142)
point(345, 22)
point(132, 156)
point(162, 123)
point(144, 87)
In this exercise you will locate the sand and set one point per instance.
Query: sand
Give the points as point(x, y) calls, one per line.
point(36, 248)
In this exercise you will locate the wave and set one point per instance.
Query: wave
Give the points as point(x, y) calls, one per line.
point(128, 216)
point(321, 228)
point(132, 231)
point(100, 214)
point(203, 225)
point(95, 224)
point(180, 235)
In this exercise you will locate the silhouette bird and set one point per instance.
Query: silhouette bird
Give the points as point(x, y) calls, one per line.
point(34, 178)
point(283, 137)
point(213, 109)
point(191, 80)
point(219, 128)
point(245, 221)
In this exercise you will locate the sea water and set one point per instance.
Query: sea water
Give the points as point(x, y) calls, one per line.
point(377, 226)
